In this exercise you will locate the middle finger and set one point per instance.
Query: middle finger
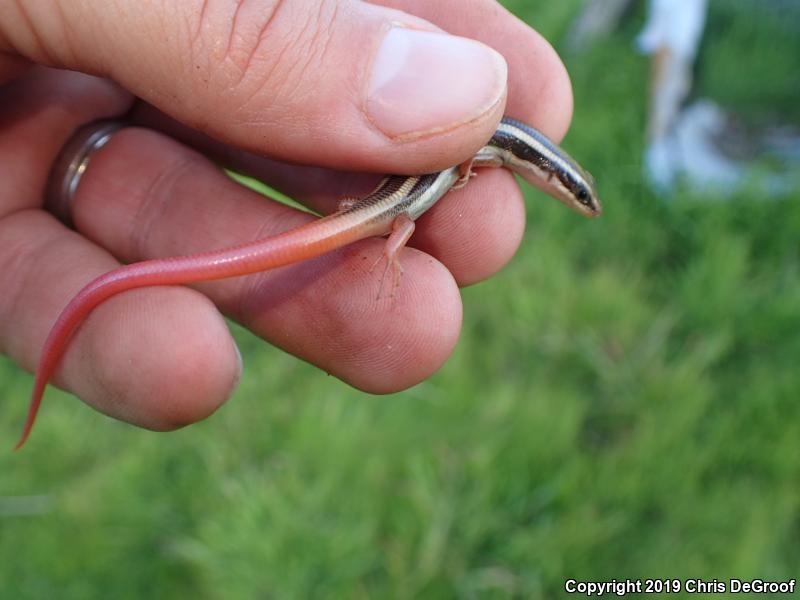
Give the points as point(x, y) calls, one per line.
point(146, 195)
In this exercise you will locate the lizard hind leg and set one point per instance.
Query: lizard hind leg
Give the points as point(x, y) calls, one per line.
point(466, 173)
point(402, 230)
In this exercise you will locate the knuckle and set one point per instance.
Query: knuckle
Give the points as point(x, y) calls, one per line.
point(275, 51)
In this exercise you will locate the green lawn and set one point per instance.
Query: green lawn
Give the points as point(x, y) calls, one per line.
point(624, 402)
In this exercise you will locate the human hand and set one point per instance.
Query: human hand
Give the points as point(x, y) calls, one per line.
point(322, 83)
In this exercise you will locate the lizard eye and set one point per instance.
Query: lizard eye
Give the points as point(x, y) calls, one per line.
point(583, 195)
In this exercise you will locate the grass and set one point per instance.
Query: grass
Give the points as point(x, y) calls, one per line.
point(623, 403)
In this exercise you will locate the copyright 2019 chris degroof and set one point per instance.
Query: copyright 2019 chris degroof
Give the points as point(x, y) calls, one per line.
point(622, 587)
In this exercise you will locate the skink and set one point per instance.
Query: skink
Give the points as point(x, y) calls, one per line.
point(389, 210)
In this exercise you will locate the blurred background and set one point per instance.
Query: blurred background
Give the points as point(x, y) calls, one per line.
point(623, 402)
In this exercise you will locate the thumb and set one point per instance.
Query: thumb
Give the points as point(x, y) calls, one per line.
point(339, 83)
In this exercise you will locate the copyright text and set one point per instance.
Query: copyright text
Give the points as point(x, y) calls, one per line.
point(622, 587)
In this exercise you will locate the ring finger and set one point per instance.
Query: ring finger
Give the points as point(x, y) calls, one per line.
point(125, 361)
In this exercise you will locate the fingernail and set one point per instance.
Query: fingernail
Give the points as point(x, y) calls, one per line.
point(423, 82)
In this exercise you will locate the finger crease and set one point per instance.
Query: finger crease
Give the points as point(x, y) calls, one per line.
point(247, 285)
point(40, 46)
point(156, 199)
point(201, 20)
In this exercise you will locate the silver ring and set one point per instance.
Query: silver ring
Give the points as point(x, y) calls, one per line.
point(71, 163)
